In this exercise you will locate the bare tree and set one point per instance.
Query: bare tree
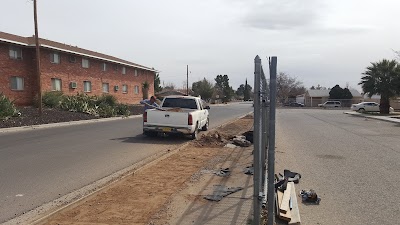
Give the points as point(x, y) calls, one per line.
point(288, 87)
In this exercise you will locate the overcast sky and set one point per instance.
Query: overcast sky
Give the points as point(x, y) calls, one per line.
point(324, 42)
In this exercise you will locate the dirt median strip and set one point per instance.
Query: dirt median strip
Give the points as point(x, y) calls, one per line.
point(135, 198)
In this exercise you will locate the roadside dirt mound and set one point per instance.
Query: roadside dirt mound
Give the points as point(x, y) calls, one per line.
point(212, 140)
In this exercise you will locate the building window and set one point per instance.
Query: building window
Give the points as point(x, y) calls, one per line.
point(55, 57)
point(85, 63)
point(124, 88)
point(17, 83)
point(104, 67)
point(136, 89)
point(115, 67)
point(136, 73)
point(106, 87)
point(123, 70)
point(55, 84)
point(87, 86)
point(15, 52)
point(72, 59)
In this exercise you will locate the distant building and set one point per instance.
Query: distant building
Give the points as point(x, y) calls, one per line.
point(315, 97)
point(68, 69)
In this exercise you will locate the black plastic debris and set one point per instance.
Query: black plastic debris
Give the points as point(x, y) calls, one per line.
point(249, 170)
point(310, 196)
point(221, 191)
point(223, 172)
point(249, 135)
point(292, 176)
point(288, 176)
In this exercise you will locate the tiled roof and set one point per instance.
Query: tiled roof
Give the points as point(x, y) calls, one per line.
point(30, 42)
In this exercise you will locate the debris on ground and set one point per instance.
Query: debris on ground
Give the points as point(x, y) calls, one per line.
point(241, 141)
point(249, 135)
point(229, 145)
point(249, 170)
point(286, 205)
point(211, 139)
point(288, 176)
point(310, 196)
point(221, 191)
point(223, 172)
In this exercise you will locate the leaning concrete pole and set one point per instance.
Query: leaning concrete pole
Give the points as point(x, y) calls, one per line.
point(271, 144)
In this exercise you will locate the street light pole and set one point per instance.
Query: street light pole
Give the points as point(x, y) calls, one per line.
point(187, 80)
point(37, 58)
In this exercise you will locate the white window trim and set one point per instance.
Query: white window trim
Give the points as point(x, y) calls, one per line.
point(123, 70)
point(136, 89)
point(108, 87)
point(54, 84)
point(22, 85)
point(125, 86)
point(84, 86)
point(85, 60)
point(52, 57)
point(17, 52)
point(104, 67)
point(136, 73)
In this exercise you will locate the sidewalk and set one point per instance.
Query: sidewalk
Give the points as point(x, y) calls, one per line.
point(383, 118)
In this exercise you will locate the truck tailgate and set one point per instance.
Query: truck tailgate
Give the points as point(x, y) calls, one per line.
point(166, 118)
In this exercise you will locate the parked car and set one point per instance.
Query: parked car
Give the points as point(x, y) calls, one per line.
point(330, 104)
point(367, 107)
point(178, 114)
point(296, 104)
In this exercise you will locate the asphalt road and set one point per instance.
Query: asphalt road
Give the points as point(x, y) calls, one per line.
point(352, 163)
point(38, 166)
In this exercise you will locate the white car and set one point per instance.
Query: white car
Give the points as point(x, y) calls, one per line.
point(330, 104)
point(367, 107)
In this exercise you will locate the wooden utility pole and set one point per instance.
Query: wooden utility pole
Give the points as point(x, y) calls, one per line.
point(37, 58)
point(187, 80)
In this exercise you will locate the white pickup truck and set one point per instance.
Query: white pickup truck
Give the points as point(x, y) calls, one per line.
point(178, 114)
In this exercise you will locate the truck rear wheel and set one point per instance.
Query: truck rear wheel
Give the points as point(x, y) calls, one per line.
point(205, 127)
point(195, 133)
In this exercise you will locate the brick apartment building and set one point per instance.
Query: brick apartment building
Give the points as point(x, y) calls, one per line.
point(68, 69)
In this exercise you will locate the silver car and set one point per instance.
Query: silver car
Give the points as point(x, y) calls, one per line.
point(330, 104)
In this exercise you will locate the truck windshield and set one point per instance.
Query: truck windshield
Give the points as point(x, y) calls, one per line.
point(180, 103)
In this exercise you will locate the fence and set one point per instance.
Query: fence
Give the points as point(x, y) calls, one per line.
point(264, 135)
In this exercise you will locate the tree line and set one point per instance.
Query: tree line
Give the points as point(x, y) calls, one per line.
point(381, 78)
point(219, 89)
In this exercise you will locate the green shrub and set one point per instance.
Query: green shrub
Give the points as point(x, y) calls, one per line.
point(110, 100)
point(106, 110)
point(103, 106)
point(7, 107)
point(123, 110)
point(52, 99)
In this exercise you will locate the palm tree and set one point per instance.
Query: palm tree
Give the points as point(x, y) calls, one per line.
point(382, 78)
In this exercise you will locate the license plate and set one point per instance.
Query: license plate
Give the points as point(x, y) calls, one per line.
point(166, 129)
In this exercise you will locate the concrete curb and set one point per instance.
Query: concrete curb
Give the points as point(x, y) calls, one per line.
point(382, 118)
point(63, 124)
